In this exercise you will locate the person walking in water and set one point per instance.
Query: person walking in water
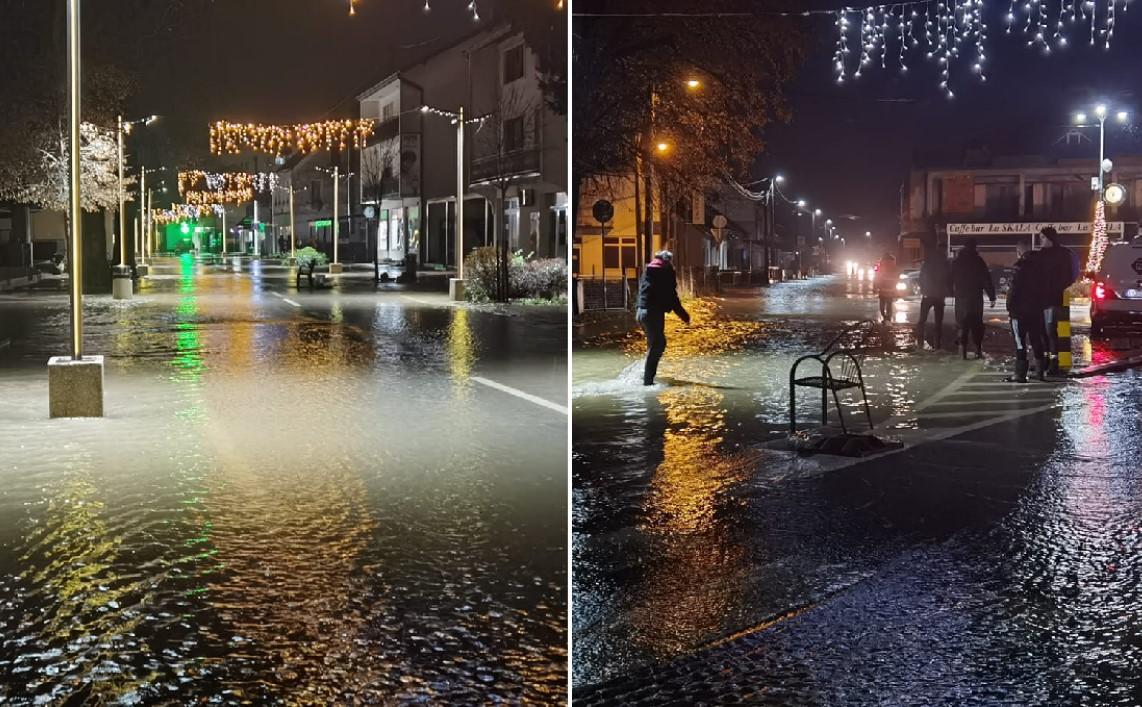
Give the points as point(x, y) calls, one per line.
point(1059, 268)
point(935, 287)
point(1025, 303)
point(886, 278)
point(657, 295)
point(970, 280)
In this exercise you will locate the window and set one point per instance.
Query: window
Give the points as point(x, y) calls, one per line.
point(513, 134)
point(513, 64)
point(388, 111)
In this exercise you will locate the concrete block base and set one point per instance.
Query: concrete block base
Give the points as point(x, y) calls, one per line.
point(121, 285)
point(335, 268)
point(456, 290)
point(75, 388)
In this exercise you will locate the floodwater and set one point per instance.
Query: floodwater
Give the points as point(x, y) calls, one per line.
point(294, 497)
point(700, 554)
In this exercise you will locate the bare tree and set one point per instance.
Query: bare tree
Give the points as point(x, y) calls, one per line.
point(506, 139)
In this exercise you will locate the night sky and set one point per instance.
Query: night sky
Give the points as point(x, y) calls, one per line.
point(285, 60)
point(848, 148)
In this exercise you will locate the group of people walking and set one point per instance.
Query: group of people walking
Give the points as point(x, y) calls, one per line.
point(1034, 298)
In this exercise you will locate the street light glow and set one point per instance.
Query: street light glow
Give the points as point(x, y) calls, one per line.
point(801, 203)
point(663, 146)
point(1100, 110)
point(779, 179)
point(1123, 116)
point(1080, 118)
point(693, 84)
point(817, 212)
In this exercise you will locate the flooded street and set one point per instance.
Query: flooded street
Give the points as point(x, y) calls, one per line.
point(296, 497)
point(992, 561)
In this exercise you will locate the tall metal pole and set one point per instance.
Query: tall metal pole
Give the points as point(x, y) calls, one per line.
point(73, 78)
point(336, 224)
point(149, 222)
point(256, 231)
point(1101, 153)
point(460, 195)
point(292, 232)
point(140, 249)
point(122, 203)
point(224, 231)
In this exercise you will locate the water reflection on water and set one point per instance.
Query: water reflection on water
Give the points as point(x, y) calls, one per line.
point(278, 508)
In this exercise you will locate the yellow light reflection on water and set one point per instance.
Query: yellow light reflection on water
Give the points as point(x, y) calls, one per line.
point(461, 351)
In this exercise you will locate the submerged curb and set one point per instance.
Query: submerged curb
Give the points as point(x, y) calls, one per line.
point(1127, 363)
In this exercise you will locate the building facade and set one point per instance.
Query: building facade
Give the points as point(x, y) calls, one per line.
point(1003, 201)
point(515, 154)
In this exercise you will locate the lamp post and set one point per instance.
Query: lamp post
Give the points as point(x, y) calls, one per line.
point(456, 284)
point(1101, 113)
point(335, 266)
point(121, 283)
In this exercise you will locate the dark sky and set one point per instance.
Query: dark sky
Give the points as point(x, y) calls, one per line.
point(285, 60)
point(848, 148)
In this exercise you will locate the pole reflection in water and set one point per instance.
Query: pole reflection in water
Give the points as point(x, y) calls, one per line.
point(461, 353)
point(688, 493)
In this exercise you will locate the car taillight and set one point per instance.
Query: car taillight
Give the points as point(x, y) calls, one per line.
point(876, 268)
point(1101, 291)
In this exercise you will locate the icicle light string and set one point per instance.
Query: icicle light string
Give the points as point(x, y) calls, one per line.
point(952, 25)
point(472, 7)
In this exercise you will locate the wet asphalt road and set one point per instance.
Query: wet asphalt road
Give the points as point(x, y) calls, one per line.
point(343, 496)
point(993, 562)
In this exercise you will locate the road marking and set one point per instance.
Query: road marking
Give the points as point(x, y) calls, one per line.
point(948, 389)
point(277, 294)
point(520, 394)
point(287, 300)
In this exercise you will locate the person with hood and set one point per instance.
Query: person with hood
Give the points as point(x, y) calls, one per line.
point(657, 295)
point(1059, 268)
point(970, 280)
point(1025, 302)
point(935, 287)
point(886, 278)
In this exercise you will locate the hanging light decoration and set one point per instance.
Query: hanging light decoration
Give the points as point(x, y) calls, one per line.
point(1098, 239)
point(184, 212)
point(229, 138)
point(954, 32)
point(198, 187)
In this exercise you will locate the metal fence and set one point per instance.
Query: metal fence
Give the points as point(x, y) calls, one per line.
point(598, 293)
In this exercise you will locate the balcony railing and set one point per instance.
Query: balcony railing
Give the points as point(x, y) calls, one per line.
point(512, 164)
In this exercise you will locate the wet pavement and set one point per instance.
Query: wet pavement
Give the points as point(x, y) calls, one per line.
point(989, 562)
point(344, 496)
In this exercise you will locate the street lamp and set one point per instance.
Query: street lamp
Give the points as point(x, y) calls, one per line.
point(121, 288)
point(456, 287)
point(1100, 113)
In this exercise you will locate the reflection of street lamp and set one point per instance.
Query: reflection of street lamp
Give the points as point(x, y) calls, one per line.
point(693, 84)
point(1101, 113)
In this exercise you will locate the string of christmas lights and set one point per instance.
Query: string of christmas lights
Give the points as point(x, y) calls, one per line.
point(949, 25)
point(230, 138)
point(473, 8)
point(182, 212)
point(1098, 239)
point(198, 187)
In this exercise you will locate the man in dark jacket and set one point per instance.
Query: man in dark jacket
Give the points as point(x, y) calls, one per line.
point(935, 287)
point(970, 280)
point(657, 295)
point(1058, 267)
point(1025, 301)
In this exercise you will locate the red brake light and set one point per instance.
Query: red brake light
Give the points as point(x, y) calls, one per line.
point(1101, 290)
point(876, 268)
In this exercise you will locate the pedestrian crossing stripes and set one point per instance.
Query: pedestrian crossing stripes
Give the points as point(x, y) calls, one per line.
point(978, 397)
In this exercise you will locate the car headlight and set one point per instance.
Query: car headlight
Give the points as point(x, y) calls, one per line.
point(902, 286)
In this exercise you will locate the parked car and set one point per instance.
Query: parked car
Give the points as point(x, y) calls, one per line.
point(1116, 294)
point(909, 284)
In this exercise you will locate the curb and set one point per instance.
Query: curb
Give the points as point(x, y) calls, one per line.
point(1132, 362)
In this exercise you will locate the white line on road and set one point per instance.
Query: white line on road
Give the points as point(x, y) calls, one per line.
point(289, 301)
point(277, 294)
point(520, 394)
point(949, 389)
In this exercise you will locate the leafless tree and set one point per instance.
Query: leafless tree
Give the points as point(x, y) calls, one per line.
point(504, 140)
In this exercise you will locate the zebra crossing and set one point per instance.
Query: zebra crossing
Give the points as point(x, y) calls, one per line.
point(977, 398)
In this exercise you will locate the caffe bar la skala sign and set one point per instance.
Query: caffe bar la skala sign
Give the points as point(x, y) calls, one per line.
point(1023, 228)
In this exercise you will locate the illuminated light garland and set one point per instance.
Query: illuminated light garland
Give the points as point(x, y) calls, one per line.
point(473, 8)
point(183, 212)
point(947, 26)
point(229, 138)
point(198, 187)
point(1098, 239)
